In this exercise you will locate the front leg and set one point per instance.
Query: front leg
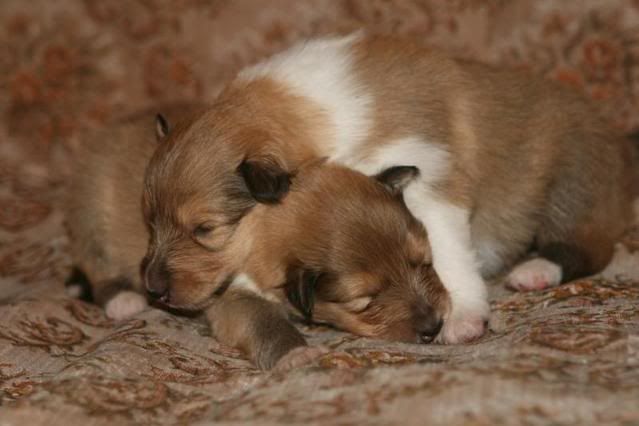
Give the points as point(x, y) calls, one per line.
point(448, 227)
point(120, 297)
point(258, 327)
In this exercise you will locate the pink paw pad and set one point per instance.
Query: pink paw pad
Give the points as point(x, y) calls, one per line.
point(534, 274)
point(459, 330)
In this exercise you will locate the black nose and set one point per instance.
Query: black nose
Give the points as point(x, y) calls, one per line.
point(427, 324)
point(157, 278)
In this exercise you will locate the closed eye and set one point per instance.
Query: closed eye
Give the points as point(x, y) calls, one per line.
point(203, 230)
point(358, 305)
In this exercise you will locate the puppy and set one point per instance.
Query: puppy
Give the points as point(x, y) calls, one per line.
point(305, 239)
point(104, 210)
point(510, 164)
point(109, 239)
point(341, 246)
point(390, 295)
point(350, 254)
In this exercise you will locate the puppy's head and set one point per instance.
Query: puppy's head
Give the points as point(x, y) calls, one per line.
point(200, 190)
point(378, 280)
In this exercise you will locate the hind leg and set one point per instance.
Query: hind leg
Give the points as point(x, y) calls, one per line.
point(584, 251)
point(588, 208)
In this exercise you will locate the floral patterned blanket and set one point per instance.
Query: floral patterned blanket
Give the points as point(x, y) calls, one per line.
point(568, 355)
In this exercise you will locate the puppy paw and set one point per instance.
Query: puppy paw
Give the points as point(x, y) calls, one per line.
point(125, 304)
point(464, 325)
point(73, 291)
point(298, 357)
point(534, 274)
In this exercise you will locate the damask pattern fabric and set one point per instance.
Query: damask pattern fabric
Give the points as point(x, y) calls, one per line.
point(568, 355)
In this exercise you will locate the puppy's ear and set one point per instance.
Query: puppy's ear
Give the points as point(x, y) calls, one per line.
point(266, 181)
point(161, 127)
point(397, 178)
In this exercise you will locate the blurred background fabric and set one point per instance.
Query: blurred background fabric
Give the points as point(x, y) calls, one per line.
point(568, 355)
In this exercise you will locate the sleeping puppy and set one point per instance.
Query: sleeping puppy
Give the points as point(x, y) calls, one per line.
point(392, 295)
point(510, 164)
point(108, 238)
point(325, 234)
point(338, 245)
point(104, 213)
point(349, 253)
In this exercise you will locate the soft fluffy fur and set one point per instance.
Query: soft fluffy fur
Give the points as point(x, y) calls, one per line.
point(104, 216)
point(350, 239)
point(508, 162)
point(370, 275)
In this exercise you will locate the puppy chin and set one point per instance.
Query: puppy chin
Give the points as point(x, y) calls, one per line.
point(401, 331)
point(191, 302)
point(192, 306)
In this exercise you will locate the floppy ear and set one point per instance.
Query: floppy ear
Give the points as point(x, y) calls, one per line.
point(266, 181)
point(397, 178)
point(161, 127)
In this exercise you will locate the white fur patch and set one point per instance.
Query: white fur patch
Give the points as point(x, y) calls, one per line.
point(448, 229)
point(125, 304)
point(431, 160)
point(321, 70)
point(534, 274)
point(73, 290)
point(246, 283)
point(454, 261)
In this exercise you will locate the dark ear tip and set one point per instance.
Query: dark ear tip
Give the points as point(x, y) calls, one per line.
point(266, 183)
point(412, 170)
point(396, 178)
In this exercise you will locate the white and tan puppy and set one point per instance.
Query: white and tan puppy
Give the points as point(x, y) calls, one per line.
point(508, 162)
point(305, 240)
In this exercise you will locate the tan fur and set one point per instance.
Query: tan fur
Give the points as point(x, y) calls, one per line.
point(531, 162)
point(254, 325)
point(109, 237)
point(113, 165)
point(528, 156)
point(104, 219)
point(318, 226)
point(336, 222)
point(525, 150)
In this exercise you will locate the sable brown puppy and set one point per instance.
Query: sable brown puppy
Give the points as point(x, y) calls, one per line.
point(508, 162)
point(350, 254)
point(104, 210)
point(326, 234)
point(109, 239)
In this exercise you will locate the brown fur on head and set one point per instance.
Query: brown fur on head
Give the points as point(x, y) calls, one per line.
point(196, 202)
point(215, 212)
point(351, 255)
point(104, 220)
